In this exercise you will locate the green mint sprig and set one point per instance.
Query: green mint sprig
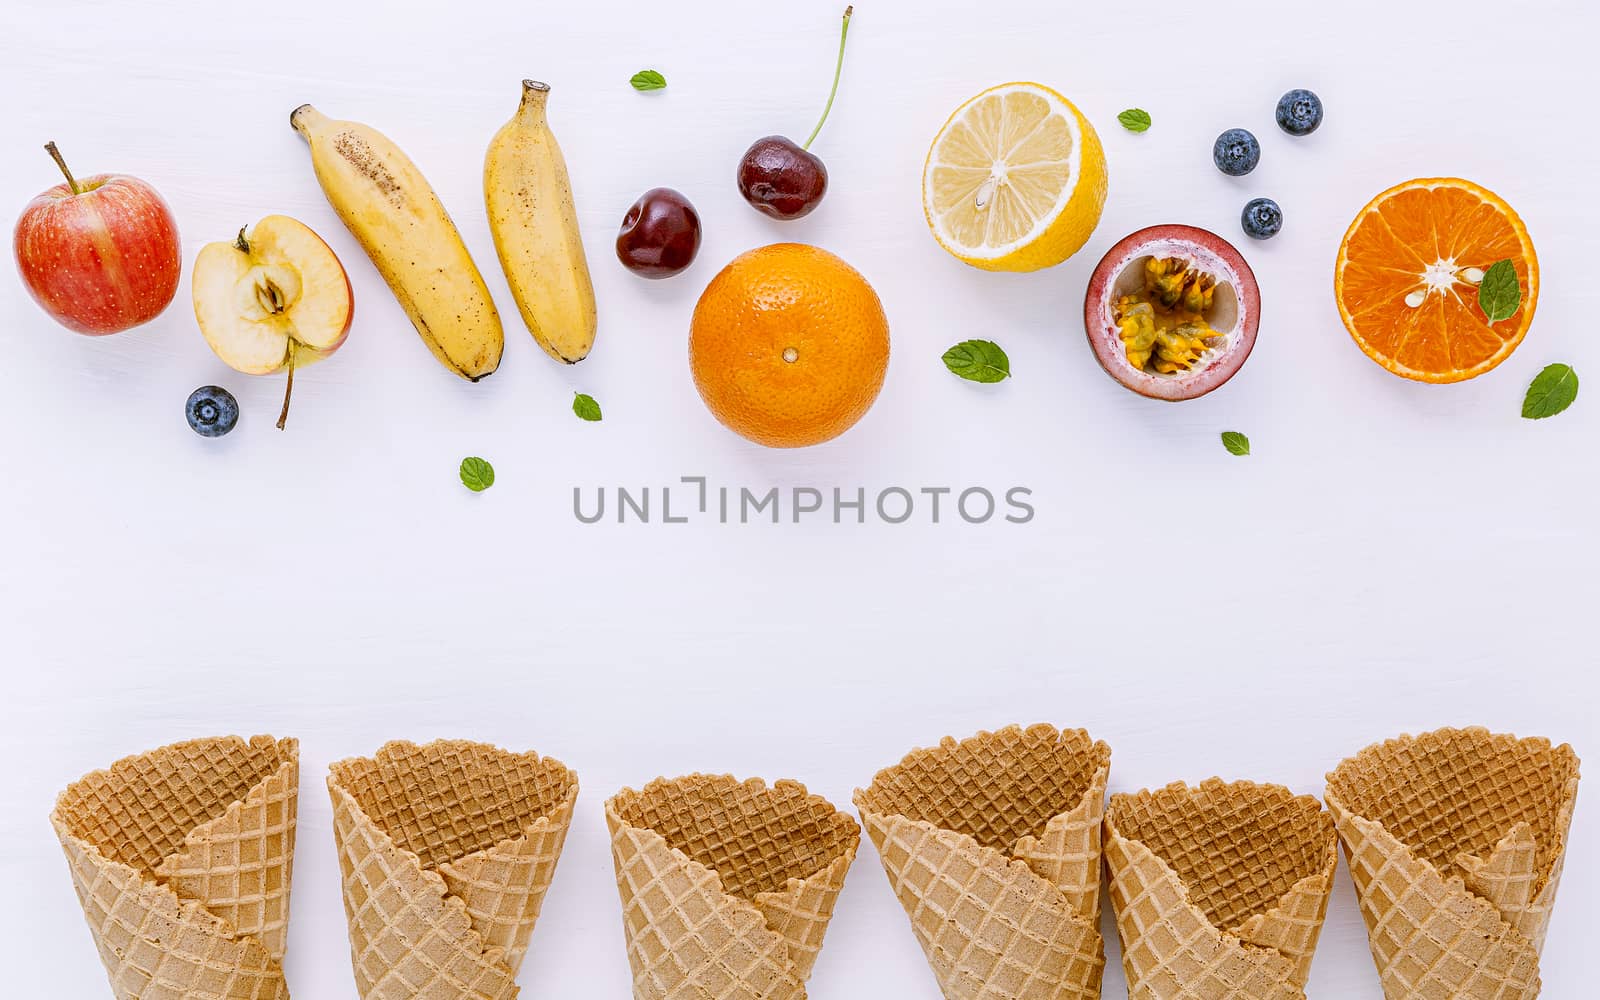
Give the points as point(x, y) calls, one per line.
point(477, 475)
point(1552, 391)
point(585, 407)
point(1499, 293)
point(1135, 120)
point(1236, 443)
point(978, 361)
point(648, 79)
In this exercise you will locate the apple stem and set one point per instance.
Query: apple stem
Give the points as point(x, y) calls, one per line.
point(242, 243)
point(838, 70)
point(288, 388)
point(55, 154)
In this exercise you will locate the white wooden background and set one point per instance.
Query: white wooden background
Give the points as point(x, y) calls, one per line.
point(1393, 557)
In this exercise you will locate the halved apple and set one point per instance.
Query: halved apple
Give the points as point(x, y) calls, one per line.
point(274, 298)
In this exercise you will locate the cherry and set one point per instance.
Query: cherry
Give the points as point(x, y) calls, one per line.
point(660, 235)
point(782, 178)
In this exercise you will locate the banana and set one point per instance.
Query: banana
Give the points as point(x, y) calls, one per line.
point(529, 197)
point(393, 212)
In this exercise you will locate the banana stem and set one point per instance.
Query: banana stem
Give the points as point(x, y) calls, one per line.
point(535, 98)
point(288, 388)
point(301, 119)
point(838, 70)
point(55, 154)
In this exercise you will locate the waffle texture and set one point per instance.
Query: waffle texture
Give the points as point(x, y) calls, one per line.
point(727, 886)
point(1455, 841)
point(1220, 890)
point(182, 858)
point(446, 852)
point(993, 846)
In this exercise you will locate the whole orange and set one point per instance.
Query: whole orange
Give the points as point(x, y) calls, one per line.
point(789, 346)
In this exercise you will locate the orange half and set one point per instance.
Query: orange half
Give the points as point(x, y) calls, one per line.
point(1408, 273)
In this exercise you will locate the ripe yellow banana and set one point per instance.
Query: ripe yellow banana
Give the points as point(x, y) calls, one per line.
point(393, 212)
point(529, 198)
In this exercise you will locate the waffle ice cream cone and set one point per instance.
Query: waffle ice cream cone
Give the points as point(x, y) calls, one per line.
point(1455, 841)
point(1219, 891)
point(727, 886)
point(446, 851)
point(993, 847)
point(182, 859)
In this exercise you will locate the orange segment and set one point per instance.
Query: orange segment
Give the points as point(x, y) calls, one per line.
point(1407, 279)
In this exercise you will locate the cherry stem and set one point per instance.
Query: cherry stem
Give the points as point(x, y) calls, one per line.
point(55, 154)
point(838, 70)
point(288, 388)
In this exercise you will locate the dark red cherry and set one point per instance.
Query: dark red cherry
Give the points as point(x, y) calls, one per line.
point(660, 235)
point(780, 179)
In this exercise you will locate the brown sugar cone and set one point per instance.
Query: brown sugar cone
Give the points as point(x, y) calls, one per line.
point(993, 847)
point(491, 823)
point(1219, 891)
point(182, 858)
point(1455, 841)
point(238, 866)
point(446, 852)
point(1508, 879)
point(727, 886)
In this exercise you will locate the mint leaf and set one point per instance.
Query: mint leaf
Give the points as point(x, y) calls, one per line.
point(648, 79)
point(1236, 443)
point(978, 361)
point(585, 407)
point(1552, 391)
point(1135, 119)
point(1499, 293)
point(476, 474)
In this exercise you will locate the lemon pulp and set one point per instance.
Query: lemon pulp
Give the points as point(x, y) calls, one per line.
point(1016, 180)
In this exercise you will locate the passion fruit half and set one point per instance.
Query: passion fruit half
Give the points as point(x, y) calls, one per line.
point(1172, 312)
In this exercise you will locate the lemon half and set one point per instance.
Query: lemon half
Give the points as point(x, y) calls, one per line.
point(1016, 179)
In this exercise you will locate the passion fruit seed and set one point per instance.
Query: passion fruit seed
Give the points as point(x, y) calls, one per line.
point(1164, 327)
point(1164, 279)
point(1136, 324)
point(1172, 283)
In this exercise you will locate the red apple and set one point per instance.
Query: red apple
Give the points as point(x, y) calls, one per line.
point(100, 255)
point(275, 298)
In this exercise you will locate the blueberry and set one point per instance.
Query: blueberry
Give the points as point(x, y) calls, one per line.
point(1237, 152)
point(1299, 112)
point(1262, 219)
point(212, 411)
